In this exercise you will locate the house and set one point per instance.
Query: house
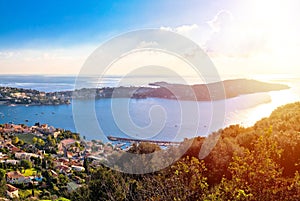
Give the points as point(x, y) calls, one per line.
point(17, 178)
point(54, 174)
point(63, 169)
point(55, 134)
point(60, 161)
point(27, 156)
point(13, 162)
point(3, 156)
point(15, 149)
point(12, 191)
point(69, 154)
point(44, 126)
point(78, 168)
point(68, 142)
point(12, 148)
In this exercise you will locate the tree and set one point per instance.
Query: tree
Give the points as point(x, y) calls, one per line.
point(86, 165)
point(37, 160)
point(44, 163)
point(144, 148)
point(53, 142)
point(15, 140)
point(63, 179)
point(77, 144)
point(34, 140)
point(26, 164)
point(255, 175)
point(41, 142)
point(81, 194)
point(32, 189)
point(184, 180)
point(62, 199)
point(21, 142)
point(49, 137)
point(2, 183)
point(105, 184)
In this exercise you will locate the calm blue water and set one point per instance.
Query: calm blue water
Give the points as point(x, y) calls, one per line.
point(39, 82)
point(165, 116)
point(144, 118)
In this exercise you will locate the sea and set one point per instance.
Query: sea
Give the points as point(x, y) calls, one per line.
point(149, 118)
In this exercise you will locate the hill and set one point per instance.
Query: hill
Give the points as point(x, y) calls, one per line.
point(256, 163)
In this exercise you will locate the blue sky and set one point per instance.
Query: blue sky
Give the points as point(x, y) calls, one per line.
point(55, 23)
point(50, 37)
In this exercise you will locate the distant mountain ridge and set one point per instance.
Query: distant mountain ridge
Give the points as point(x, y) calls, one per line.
point(212, 91)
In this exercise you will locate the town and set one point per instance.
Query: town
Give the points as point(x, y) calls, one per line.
point(12, 96)
point(43, 162)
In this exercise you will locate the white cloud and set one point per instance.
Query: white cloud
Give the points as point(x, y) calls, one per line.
point(8, 54)
point(44, 61)
point(233, 38)
point(195, 32)
point(185, 30)
point(221, 20)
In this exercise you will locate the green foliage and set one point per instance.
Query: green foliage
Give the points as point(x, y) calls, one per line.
point(27, 138)
point(105, 184)
point(2, 182)
point(15, 140)
point(184, 180)
point(62, 199)
point(257, 163)
point(30, 172)
point(144, 148)
point(40, 142)
point(34, 140)
point(26, 164)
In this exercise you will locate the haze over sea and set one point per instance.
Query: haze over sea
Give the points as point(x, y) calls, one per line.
point(244, 110)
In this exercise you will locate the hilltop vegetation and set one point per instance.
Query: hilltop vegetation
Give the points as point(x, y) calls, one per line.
point(257, 163)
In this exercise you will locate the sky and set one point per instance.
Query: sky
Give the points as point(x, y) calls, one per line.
point(241, 37)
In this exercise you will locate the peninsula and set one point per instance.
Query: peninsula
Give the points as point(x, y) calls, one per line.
point(198, 92)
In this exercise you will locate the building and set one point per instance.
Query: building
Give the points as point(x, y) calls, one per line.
point(78, 168)
point(12, 191)
point(11, 161)
point(63, 169)
point(27, 156)
point(17, 178)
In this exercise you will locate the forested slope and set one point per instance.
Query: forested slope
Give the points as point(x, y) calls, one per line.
point(257, 163)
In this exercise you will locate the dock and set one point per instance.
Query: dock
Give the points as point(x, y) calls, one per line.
point(158, 142)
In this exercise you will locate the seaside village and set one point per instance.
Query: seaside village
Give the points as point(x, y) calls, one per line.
point(41, 157)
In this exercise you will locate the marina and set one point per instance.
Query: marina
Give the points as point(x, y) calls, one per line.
point(158, 142)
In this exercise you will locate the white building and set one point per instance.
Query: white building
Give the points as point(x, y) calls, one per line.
point(12, 191)
point(78, 168)
point(27, 156)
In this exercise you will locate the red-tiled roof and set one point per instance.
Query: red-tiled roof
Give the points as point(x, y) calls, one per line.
point(11, 188)
point(13, 175)
point(68, 141)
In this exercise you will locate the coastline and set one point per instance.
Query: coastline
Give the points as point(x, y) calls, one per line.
point(198, 92)
point(3, 102)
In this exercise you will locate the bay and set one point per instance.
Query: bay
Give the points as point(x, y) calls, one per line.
point(151, 118)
